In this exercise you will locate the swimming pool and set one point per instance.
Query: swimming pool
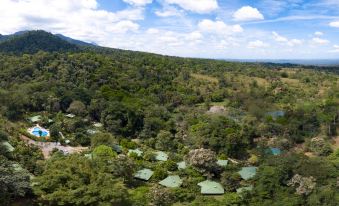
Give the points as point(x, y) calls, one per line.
point(40, 132)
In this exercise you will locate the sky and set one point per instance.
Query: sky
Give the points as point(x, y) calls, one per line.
point(222, 29)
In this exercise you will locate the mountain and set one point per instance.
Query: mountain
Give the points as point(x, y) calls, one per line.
point(34, 41)
point(75, 41)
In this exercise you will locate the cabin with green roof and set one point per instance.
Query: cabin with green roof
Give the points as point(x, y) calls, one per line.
point(161, 156)
point(211, 188)
point(136, 151)
point(222, 163)
point(8, 146)
point(144, 174)
point(171, 181)
point(248, 172)
point(35, 119)
point(70, 115)
point(182, 165)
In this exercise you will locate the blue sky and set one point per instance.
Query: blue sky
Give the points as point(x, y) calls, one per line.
point(242, 29)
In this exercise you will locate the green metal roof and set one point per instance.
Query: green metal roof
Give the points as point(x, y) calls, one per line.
point(9, 147)
point(144, 174)
point(89, 156)
point(247, 172)
point(171, 181)
point(137, 151)
point(161, 156)
point(244, 189)
point(70, 115)
point(222, 163)
point(35, 119)
point(182, 165)
point(97, 125)
point(211, 188)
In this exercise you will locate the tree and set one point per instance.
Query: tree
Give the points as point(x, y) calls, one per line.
point(103, 139)
point(203, 160)
point(14, 184)
point(103, 151)
point(78, 108)
point(76, 180)
point(161, 196)
point(165, 141)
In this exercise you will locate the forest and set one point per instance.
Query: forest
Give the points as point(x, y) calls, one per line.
point(262, 134)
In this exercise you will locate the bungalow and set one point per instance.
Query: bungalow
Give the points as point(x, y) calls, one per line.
point(35, 119)
point(182, 165)
point(8, 146)
point(136, 151)
point(161, 156)
point(211, 188)
point(171, 181)
point(222, 163)
point(70, 115)
point(248, 172)
point(144, 174)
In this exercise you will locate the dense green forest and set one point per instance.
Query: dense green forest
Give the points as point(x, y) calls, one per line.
point(194, 110)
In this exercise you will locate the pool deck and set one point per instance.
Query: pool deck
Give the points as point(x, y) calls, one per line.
point(47, 147)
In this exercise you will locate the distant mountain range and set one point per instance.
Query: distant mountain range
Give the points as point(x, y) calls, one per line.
point(39, 40)
point(307, 62)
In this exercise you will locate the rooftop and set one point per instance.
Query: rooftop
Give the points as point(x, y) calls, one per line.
point(171, 181)
point(35, 119)
point(144, 174)
point(211, 188)
point(70, 115)
point(9, 147)
point(97, 125)
point(248, 172)
point(222, 163)
point(136, 151)
point(161, 156)
point(182, 165)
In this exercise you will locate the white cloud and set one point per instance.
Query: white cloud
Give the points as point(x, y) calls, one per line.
point(80, 19)
point(279, 38)
point(152, 31)
point(319, 41)
point(167, 12)
point(257, 44)
point(247, 13)
point(284, 40)
point(335, 49)
point(199, 6)
point(295, 42)
point(334, 24)
point(219, 27)
point(138, 2)
point(123, 26)
point(318, 33)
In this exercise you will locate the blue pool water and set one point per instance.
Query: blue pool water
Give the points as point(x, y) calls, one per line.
point(36, 132)
point(275, 151)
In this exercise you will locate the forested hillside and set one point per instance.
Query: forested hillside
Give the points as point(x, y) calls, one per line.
point(197, 111)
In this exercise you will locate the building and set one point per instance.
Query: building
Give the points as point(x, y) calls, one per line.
point(144, 174)
point(171, 181)
point(248, 172)
point(211, 188)
point(161, 156)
